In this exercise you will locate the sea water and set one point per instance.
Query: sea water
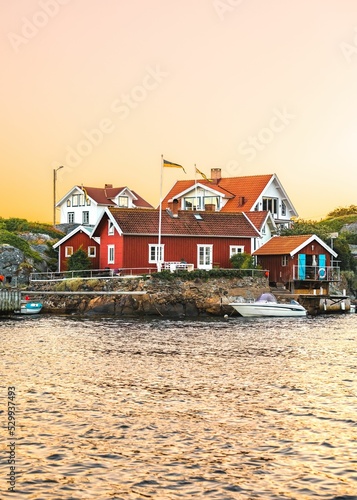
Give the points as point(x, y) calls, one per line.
point(215, 409)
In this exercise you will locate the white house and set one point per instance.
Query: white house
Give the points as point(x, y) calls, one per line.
point(234, 194)
point(85, 205)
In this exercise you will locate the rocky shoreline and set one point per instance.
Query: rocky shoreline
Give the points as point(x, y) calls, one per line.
point(163, 298)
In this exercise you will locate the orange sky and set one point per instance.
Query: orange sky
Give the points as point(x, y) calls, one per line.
point(105, 87)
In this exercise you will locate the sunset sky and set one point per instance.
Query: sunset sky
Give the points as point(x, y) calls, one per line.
point(104, 88)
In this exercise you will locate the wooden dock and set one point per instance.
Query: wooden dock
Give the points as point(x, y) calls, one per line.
point(319, 304)
point(10, 301)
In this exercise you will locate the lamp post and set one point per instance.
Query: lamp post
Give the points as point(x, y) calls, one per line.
point(54, 192)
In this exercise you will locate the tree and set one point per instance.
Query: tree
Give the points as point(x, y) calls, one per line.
point(79, 261)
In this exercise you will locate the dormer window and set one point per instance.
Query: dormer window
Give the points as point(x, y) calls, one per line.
point(200, 202)
point(123, 202)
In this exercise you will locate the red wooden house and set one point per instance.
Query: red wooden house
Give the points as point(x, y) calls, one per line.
point(129, 239)
point(80, 237)
point(302, 262)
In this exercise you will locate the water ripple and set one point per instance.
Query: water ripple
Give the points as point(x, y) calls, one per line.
point(236, 409)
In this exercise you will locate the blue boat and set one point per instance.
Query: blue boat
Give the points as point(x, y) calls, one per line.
point(28, 307)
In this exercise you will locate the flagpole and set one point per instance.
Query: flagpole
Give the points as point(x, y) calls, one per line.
point(196, 194)
point(160, 217)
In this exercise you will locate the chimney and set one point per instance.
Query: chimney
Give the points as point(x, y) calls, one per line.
point(241, 201)
point(216, 175)
point(174, 207)
point(107, 186)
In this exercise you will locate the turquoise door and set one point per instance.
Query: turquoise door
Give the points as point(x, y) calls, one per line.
point(322, 266)
point(301, 266)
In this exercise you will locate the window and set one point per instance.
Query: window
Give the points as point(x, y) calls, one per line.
point(284, 260)
point(88, 202)
point(199, 202)
point(123, 201)
point(110, 227)
point(68, 251)
point(68, 202)
point(85, 217)
point(283, 208)
point(204, 256)
point(271, 204)
point(192, 203)
point(92, 251)
point(70, 217)
point(75, 200)
point(111, 254)
point(233, 250)
point(154, 254)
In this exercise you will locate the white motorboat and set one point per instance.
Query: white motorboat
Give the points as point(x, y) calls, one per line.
point(267, 305)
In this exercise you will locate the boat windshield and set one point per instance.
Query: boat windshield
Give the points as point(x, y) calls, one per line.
point(266, 297)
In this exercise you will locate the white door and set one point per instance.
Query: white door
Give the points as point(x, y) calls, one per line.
point(204, 256)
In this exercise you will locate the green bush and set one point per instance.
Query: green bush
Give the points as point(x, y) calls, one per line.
point(202, 274)
point(242, 261)
point(79, 261)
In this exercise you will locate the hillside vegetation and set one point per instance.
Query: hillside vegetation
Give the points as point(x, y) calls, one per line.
point(34, 239)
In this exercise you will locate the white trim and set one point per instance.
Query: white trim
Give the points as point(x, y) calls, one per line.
point(94, 248)
point(318, 240)
point(210, 253)
point(68, 251)
point(111, 250)
point(110, 216)
point(72, 233)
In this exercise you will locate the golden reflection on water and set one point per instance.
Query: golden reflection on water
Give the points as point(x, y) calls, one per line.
point(166, 410)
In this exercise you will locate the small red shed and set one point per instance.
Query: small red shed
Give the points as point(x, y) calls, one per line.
point(80, 237)
point(297, 261)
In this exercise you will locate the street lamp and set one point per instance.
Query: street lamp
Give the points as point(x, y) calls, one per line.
point(54, 193)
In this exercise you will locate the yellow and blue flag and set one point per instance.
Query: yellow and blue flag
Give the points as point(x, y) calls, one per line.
point(169, 164)
point(202, 175)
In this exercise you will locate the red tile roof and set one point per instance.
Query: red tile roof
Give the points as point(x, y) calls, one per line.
point(213, 224)
point(282, 245)
point(257, 218)
point(103, 196)
point(249, 187)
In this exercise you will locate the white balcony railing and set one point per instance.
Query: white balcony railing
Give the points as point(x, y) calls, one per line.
point(316, 273)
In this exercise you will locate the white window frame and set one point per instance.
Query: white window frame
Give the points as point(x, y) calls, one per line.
point(70, 217)
point(68, 251)
point(124, 199)
point(111, 254)
point(154, 253)
point(284, 260)
point(208, 252)
point(76, 200)
point(283, 209)
point(85, 217)
point(110, 227)
point(234, 249)
point(92, 251)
